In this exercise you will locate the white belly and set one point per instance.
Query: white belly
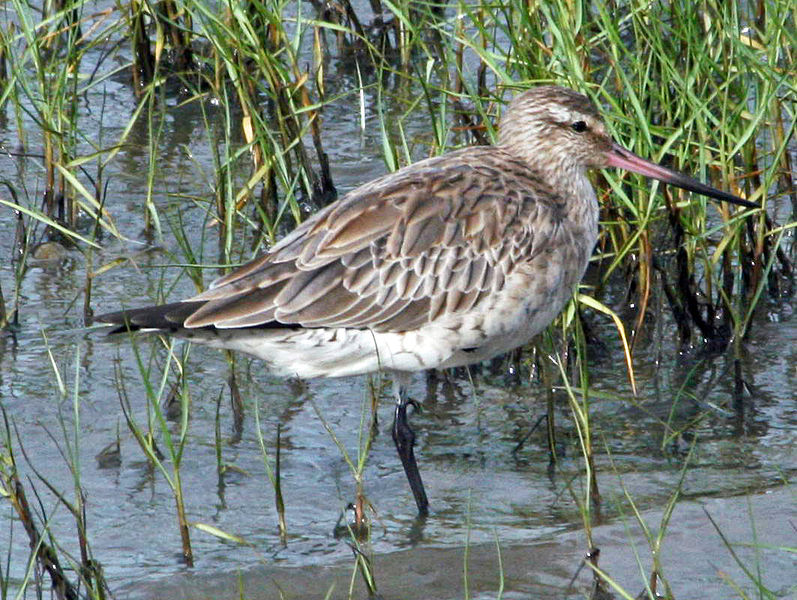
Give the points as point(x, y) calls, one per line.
point(532, 297)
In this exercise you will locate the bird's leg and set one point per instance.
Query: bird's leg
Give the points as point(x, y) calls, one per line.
point(404, 438)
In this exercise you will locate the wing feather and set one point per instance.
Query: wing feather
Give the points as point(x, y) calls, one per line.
point(436, 238)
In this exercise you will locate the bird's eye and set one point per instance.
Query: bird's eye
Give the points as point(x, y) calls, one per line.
point(579, 126)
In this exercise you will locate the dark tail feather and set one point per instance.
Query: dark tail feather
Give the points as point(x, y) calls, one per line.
point(165, 317)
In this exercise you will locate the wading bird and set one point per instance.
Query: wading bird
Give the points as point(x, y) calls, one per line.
point(447, 262)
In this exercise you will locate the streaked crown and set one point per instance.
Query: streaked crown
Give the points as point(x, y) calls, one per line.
point(552, 127)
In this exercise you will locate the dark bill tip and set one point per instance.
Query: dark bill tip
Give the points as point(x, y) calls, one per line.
point(624, 159)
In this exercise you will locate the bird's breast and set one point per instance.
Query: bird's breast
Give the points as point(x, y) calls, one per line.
point(532, 297)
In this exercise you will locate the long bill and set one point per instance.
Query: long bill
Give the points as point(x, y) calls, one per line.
point(624, 159)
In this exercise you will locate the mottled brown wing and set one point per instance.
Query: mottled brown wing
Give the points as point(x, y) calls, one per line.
point(436, 238)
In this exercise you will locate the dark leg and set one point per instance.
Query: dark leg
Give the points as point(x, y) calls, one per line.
point(404, 438)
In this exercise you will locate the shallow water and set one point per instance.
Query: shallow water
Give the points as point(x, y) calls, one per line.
point(481, 489)
point(543, 568)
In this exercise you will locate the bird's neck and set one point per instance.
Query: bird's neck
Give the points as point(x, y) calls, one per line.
point(569, 182)
point(573, 186)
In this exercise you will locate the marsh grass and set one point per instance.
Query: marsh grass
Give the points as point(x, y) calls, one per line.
point(273, 470)
point(367, 430)
point(357, 531)
point(656, 584)
point(69, 565)
point(754, 572)
point(705, 86)
point(157, 422)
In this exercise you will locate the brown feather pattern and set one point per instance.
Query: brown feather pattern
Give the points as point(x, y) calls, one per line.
point(434, 239)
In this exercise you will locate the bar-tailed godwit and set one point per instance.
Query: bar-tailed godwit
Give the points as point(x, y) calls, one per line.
point(447, 262)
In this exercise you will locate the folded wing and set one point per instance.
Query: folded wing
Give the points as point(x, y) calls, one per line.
point(434, 239)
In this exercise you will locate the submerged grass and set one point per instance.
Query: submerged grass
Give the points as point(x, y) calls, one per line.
point(707, 86)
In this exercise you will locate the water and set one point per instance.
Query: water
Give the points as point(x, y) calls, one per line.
point(482, 491)
point(542, 568)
